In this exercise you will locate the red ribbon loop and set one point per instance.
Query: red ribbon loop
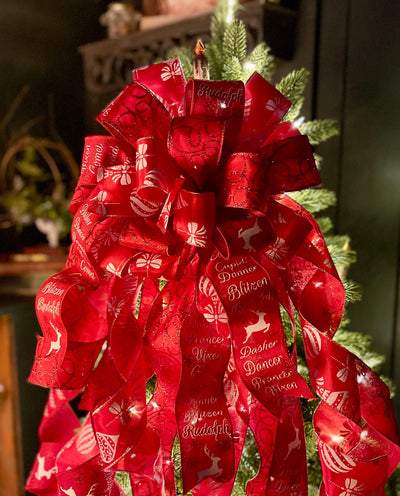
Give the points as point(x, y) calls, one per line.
point(155, 172)
point(243, 185)
point(167, 81)
point(196, 146)
point(264, 108)
point(141, 110)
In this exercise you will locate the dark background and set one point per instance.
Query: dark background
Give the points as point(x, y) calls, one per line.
point(352, 51)
point(39, 41)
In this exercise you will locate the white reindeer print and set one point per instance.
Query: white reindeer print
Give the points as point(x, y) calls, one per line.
point(213, 469)
point(247, 234)
point(68, 492)
point(259, 326)
point(92, 490)
point(41, 471)
point(295, 444)
point(55, 345)
point(71, 491)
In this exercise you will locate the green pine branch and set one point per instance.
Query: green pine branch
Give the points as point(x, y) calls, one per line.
point(319, 130)
point(353, 291)
point(361, 345)
point(261, 60)
point(293, 85)
point(233, 70)
point(314, 200)
point(220, 20)
point(215, 61)
point(342, 258)
point(294, 110)
point(325, 224)
point(318, 160)
point(235, 45)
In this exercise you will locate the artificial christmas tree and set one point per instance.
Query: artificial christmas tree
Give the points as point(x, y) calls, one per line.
point(193, 266)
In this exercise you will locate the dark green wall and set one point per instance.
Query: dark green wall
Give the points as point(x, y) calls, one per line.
point(358, 83)
point(39, 41)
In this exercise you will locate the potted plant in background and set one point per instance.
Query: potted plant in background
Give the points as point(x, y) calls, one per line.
point(37, 178)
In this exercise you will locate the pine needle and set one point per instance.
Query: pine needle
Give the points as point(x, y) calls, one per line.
point(262, 61)
point(325, 224)
point(215, 61)
point(294, 110)
point(353, 291)
point(361, 345)
point(233, 70)
point(318, 160)
point(341, 258)
point(293, 85)
point(319, 130)
point(220, 21)
point(314, 200)
point(235, 44)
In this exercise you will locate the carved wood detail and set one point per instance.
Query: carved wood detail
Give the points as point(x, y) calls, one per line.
point(108, 64)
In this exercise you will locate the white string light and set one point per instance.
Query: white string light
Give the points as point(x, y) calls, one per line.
point(249, 66)
point(229, 14)
point(299, 121)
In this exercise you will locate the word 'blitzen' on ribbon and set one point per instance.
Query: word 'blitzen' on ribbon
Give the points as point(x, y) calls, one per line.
point(189, 188)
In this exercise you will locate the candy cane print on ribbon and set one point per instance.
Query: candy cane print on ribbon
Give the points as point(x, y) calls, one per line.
point(79, 467)
point(335, 376)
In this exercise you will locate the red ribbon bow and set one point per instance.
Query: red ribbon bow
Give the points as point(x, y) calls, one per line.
point(189, 188)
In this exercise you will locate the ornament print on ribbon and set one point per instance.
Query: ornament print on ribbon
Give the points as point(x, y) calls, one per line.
point(189, 189)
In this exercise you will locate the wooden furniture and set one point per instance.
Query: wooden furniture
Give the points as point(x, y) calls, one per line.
point(21, 404)
point(11, 466)
point(24, 273)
